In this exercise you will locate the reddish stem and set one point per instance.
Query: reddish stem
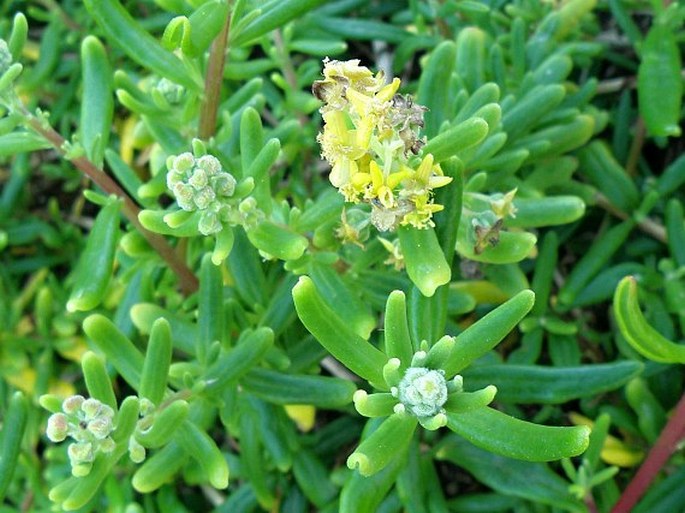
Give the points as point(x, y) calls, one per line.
point(187, 280)
point(213, 80)
point(658, 456)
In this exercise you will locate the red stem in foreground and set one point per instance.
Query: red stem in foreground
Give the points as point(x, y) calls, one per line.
point(658, 456)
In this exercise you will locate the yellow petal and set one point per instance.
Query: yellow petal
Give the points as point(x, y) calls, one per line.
point(438, 181)
point(376, 175)
point(335, 123)
point(361, 103)
point(342, 171)
point(394, 179)
point(360, 180)
point(385, 196)
point(424, 170)
point(389, 90)
point(363, 133)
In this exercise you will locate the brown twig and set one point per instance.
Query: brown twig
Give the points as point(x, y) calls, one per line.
point(656, 459)
point(636, 147)
point(187, 280)
point(614, 85)
point(647, 225)
point(52, 5)
point(213, 80)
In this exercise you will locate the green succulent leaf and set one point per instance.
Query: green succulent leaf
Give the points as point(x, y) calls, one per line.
point(14, 425)
point(487, 332)
point(536, 384)
point(335, 335)
point(637, 331)
point(507, 436)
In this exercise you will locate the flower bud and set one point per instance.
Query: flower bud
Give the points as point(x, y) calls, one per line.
point(135, 451)
point(81, 469)
point(203, 198)
point(223, 184)
point(91, 408)
point(107, 445)
point(184, 162)
point(58, 427)
point(146, 406)
point(81, 452)
point(184, 196)
point(198, 180)
point(173, 177)
point(210, 164)
point(100, 427)
point(209, 223)
point(171, 91)
point(5, 56)
point(72, 404)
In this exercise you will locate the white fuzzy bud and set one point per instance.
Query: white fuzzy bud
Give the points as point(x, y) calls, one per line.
point(210, 164)
point(209, 223)
point(223, 184)
point(81, 452)
point(184, 194)
point(184, 162)
point(72, 404)
point(91, 408)
point(203, 198)
point(58, 427)
point(173, 177)
point(198, 180)
point(100, 427)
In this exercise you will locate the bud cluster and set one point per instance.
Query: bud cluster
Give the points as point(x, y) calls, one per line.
point(89, 423)
point(370, 138)
point(423, 391)
point(5, 56)
point(201, 184)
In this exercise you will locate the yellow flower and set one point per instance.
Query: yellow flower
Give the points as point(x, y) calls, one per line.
point(381, 184)
point(369, 111)
point(341, 147)
point(341, 77)
point(426, 177)
point(422, 215)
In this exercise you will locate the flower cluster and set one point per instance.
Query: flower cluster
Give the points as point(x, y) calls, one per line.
point(371, 140)
point(417, 389)
point(90, 423)
point(200, 184)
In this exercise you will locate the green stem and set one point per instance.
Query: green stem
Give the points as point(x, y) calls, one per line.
point(187, 280)
point(213, 80)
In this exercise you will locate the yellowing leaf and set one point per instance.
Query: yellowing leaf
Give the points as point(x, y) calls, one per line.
point(304, 415)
